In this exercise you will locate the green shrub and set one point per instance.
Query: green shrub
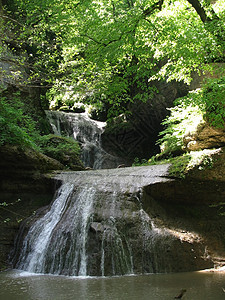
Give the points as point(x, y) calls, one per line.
point(206, 104)
point(16, 128)
point(214, 98)
point(183, 118)
point(56, 145)
point(65, 150)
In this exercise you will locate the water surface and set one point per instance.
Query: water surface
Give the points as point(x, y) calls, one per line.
point(199, 285)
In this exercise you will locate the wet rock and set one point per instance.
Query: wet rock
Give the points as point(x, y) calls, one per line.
point(97, 227)
point(88, 133)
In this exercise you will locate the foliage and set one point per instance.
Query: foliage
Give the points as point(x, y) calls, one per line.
point(119, 50)
point(184, 118)
point(106, 52)
point(140, 162)
point(55, 144)
point(214, 98)
point(206, 104)
point(66, 150)
point(181, 165)
point(16, 128)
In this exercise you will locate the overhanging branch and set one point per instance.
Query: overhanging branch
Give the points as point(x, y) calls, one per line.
point(199, 9)
point(156, 6)
point(11, 19)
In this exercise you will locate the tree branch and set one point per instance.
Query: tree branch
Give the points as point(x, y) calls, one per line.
point(11, 19)
point(199, 9)
point(111, 41)
point(148, 11)
point(92, 39)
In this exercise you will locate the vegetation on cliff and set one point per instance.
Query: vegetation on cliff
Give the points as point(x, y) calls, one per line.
point(189, 113)
point(201, 110)
point(16, 127)
point(63, 149)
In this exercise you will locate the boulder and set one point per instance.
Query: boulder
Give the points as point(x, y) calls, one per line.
point(205, 137)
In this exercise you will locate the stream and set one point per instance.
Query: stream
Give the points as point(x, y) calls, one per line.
point(199, 285)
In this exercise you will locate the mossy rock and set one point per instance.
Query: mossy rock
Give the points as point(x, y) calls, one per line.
point(14, 158)
point(65, 150)
point(207, 164)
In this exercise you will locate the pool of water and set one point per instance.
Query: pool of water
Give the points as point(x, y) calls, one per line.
point(199, 285)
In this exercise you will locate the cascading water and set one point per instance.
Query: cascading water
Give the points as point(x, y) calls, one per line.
point(88, 133)
point(56, 243)
point(37, 241)
point(96, 226)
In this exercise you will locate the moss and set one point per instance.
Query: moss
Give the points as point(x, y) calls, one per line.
point(179, 166)
point(117, 125)
point(182, 165)
point(65, 150)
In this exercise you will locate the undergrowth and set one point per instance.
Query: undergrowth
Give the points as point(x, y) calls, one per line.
point(181, 165)
point(199, 106)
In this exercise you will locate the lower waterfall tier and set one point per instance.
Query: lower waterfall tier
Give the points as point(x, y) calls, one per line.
point(96, 226)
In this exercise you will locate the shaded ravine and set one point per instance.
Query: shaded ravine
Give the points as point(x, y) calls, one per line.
point(97, 226)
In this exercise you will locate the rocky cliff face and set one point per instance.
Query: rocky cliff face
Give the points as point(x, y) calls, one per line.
point(205, 137)
point(195, 204)
point(24, 188)
point(171, 226)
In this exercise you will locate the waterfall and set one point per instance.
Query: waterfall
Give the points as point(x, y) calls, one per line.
point(38, 239)
point(96, 226)
point(56, 243)
point(88, 133)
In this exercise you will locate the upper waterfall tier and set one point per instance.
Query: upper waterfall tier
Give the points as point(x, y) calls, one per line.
point(88, 133)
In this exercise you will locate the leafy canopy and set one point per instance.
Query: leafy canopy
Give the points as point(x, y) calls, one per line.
point(108, 52)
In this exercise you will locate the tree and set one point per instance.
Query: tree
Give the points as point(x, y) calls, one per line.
point(106, 52)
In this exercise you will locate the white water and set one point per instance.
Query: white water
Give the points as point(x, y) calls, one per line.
point(112, 238)
point(60, 242)
point(35, 245)
point(67, 221)
point(88, 133)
